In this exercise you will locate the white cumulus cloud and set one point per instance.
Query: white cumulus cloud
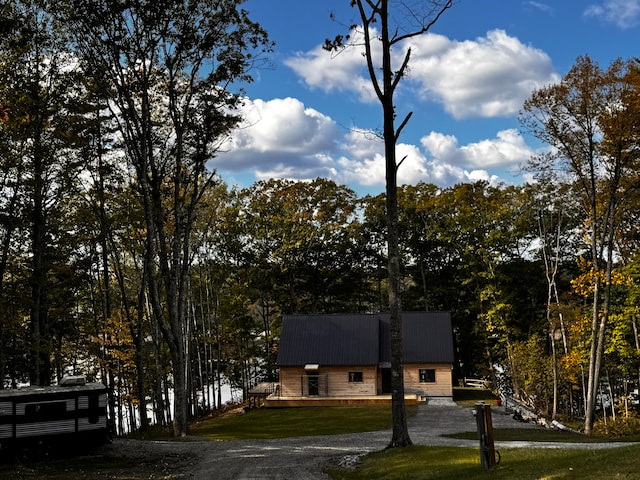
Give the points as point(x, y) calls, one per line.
point(284, 125)
point(441, 161)
point(487, 77)
point(336, 71)
point(507, 150)
point(280, 138)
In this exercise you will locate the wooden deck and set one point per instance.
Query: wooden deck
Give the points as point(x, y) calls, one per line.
point(273, 401)
point(260, 392)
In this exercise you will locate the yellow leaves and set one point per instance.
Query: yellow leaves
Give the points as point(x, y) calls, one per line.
point(116, 338)
point(580, 327)
point(496, 317)
point(584, 284)
point(570, 365)
point(571, 360)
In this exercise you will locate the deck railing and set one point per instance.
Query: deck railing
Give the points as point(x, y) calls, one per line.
point(264, 388)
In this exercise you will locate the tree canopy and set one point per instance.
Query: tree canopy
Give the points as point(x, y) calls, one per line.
point(123, 256)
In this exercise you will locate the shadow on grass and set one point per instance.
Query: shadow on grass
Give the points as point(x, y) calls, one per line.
point(296, 422)
point(542, 435)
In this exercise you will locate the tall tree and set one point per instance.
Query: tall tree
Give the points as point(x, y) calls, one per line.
point(391, 17)
point(591, 120)
point(41, 141)
point(296, 235)
point(166, 67)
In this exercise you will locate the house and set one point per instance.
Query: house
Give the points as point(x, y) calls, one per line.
point(349, 356)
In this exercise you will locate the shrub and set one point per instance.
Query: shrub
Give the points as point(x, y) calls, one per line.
point(620, 427)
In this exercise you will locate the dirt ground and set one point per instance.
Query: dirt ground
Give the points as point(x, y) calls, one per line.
point(300, 458)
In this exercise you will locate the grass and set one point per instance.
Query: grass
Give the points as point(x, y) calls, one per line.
point(265, 423)
point(444, 463)
point(295, 422)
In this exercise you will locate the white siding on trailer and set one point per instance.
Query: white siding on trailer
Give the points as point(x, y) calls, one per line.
point(84, 424)
point(6, 431)
point(6, 408)
point(45, 428)
point(83, 401)
point(70, 405)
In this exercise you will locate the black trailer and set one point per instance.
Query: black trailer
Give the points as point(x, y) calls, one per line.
point(36, 421)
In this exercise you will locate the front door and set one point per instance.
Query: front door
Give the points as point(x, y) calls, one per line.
point(313, 385)
point(386, 380)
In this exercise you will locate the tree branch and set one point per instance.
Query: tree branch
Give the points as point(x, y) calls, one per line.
point(402, 125)
point(425, 28)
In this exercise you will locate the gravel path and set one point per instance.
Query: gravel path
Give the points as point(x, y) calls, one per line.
point(304, 457)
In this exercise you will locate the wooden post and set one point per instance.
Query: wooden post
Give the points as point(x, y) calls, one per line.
point(489, 428)
point(485, 435)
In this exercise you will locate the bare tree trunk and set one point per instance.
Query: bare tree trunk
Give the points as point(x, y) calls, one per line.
point(40, 351)
point(551, 261)
point(377, 14)
point(594, 365)
point(138, 340)
point(600, 308)
point(400, 436)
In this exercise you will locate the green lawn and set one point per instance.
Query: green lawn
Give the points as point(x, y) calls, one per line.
point(446, 463)
point(295, 422)
point(429, 463)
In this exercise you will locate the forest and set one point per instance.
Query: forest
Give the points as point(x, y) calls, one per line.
point(125, 258)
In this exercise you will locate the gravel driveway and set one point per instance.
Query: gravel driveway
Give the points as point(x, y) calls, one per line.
point(303, 458)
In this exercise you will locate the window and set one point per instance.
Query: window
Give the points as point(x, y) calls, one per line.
point(45, 411)
point(427, 375)
point(355, 376)
point(94, 408)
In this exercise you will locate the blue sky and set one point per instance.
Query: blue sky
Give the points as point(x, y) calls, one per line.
point(312, 114)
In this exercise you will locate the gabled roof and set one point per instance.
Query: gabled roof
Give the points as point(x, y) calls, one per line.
point(363, 339)
point(329, 340)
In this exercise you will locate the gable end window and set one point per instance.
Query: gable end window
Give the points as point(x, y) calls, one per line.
point(355, 376)
point(427, 375)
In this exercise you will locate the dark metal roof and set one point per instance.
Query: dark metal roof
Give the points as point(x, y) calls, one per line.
point(427, 337)
point(363, 339)
point(328, 340)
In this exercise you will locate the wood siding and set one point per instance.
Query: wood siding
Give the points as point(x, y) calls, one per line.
point(334, 381)
point(442, 387)
point(290, 381)
point(340, 386)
